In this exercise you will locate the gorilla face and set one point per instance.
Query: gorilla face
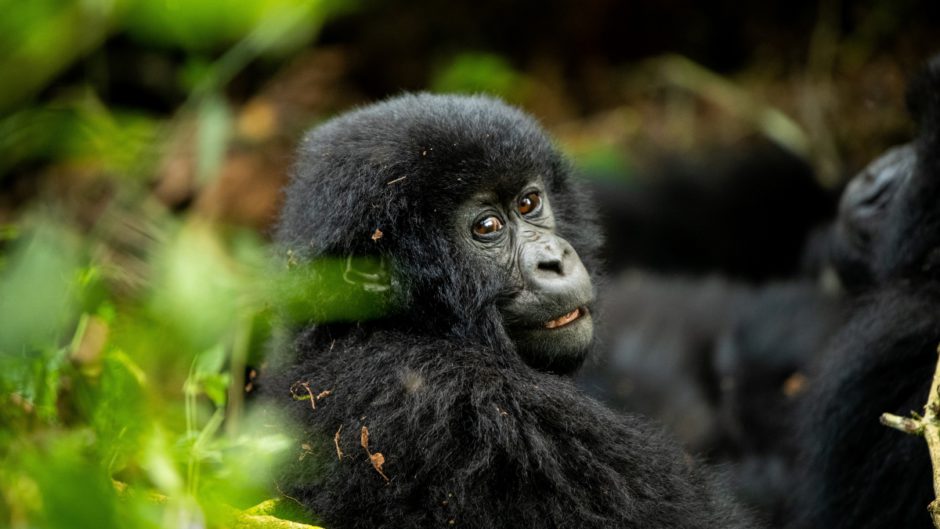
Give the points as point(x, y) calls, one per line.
point(546, 313)
point(870, 193)
point(863, 214)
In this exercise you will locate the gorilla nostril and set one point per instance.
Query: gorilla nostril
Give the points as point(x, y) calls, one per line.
point(552, 265)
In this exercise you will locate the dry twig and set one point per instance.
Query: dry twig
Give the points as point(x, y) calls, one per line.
point(309, 396)
point(929, 427)
point(339, 451)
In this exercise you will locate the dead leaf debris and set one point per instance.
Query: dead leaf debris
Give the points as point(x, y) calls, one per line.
point(339, 451)
point(307, 393)
point(376, 458)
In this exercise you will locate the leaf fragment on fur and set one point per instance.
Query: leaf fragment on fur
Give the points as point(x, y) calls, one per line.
point(339, 451)
point(377, 459)
point(309, 393)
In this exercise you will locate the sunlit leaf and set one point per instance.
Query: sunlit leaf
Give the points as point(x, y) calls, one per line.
point(331, 289)
point(37, 295)
point(120, 415)
point(196, 288)
point(215, 123)
point(76, 492)
point(159, 464)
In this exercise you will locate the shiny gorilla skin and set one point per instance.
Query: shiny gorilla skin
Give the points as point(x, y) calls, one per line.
point(475, 423)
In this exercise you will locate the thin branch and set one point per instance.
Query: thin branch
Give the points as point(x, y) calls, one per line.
point(929, 427)
point(907, 425)
point(932, 434)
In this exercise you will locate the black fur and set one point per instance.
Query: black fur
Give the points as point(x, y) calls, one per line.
point(859, 473)
point(470, 435)
point(657, 349)
point(717, 362)
point(728, 211)
point(910, 248)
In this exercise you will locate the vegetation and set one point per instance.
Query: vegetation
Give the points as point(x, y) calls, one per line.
point(124, 339)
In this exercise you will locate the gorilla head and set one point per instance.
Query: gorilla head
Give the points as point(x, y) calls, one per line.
point(471, 208)
point(889, 224)
point(863, 213)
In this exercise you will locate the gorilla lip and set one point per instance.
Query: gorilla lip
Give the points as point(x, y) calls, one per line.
point(564, 320)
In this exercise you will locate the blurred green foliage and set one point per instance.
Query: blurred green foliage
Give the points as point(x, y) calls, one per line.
point(477, 72)
point(143, 388)
point(204, 25)
point(603, 162)
point(78, 130)
point(125, 344)
point(40, 38)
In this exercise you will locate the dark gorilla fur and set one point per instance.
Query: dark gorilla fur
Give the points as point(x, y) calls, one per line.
point(470, 434)
point(859, 473)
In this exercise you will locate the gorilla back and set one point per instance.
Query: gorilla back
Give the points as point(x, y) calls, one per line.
point(452, 409)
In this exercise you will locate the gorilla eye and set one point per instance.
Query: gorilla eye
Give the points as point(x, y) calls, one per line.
point(529, 203)
point(488, 225)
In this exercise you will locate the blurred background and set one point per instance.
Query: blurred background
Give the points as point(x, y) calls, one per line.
point(144, 143)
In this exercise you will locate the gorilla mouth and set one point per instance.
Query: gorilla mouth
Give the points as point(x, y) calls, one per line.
point(566, 319)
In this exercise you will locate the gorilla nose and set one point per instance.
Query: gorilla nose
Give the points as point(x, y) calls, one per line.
point(553, 265)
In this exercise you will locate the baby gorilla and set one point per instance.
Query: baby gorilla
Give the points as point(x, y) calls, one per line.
point(459, 218)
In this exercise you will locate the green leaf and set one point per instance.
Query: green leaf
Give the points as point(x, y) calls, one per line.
point(37, 296)
point(215, 124)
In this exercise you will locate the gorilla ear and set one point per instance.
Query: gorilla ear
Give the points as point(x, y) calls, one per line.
point(372, 275)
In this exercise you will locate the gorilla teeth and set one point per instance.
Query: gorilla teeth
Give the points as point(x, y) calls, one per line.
point(564, 320)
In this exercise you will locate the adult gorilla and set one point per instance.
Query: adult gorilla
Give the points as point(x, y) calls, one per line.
point(452, 409)
point(859, 473)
